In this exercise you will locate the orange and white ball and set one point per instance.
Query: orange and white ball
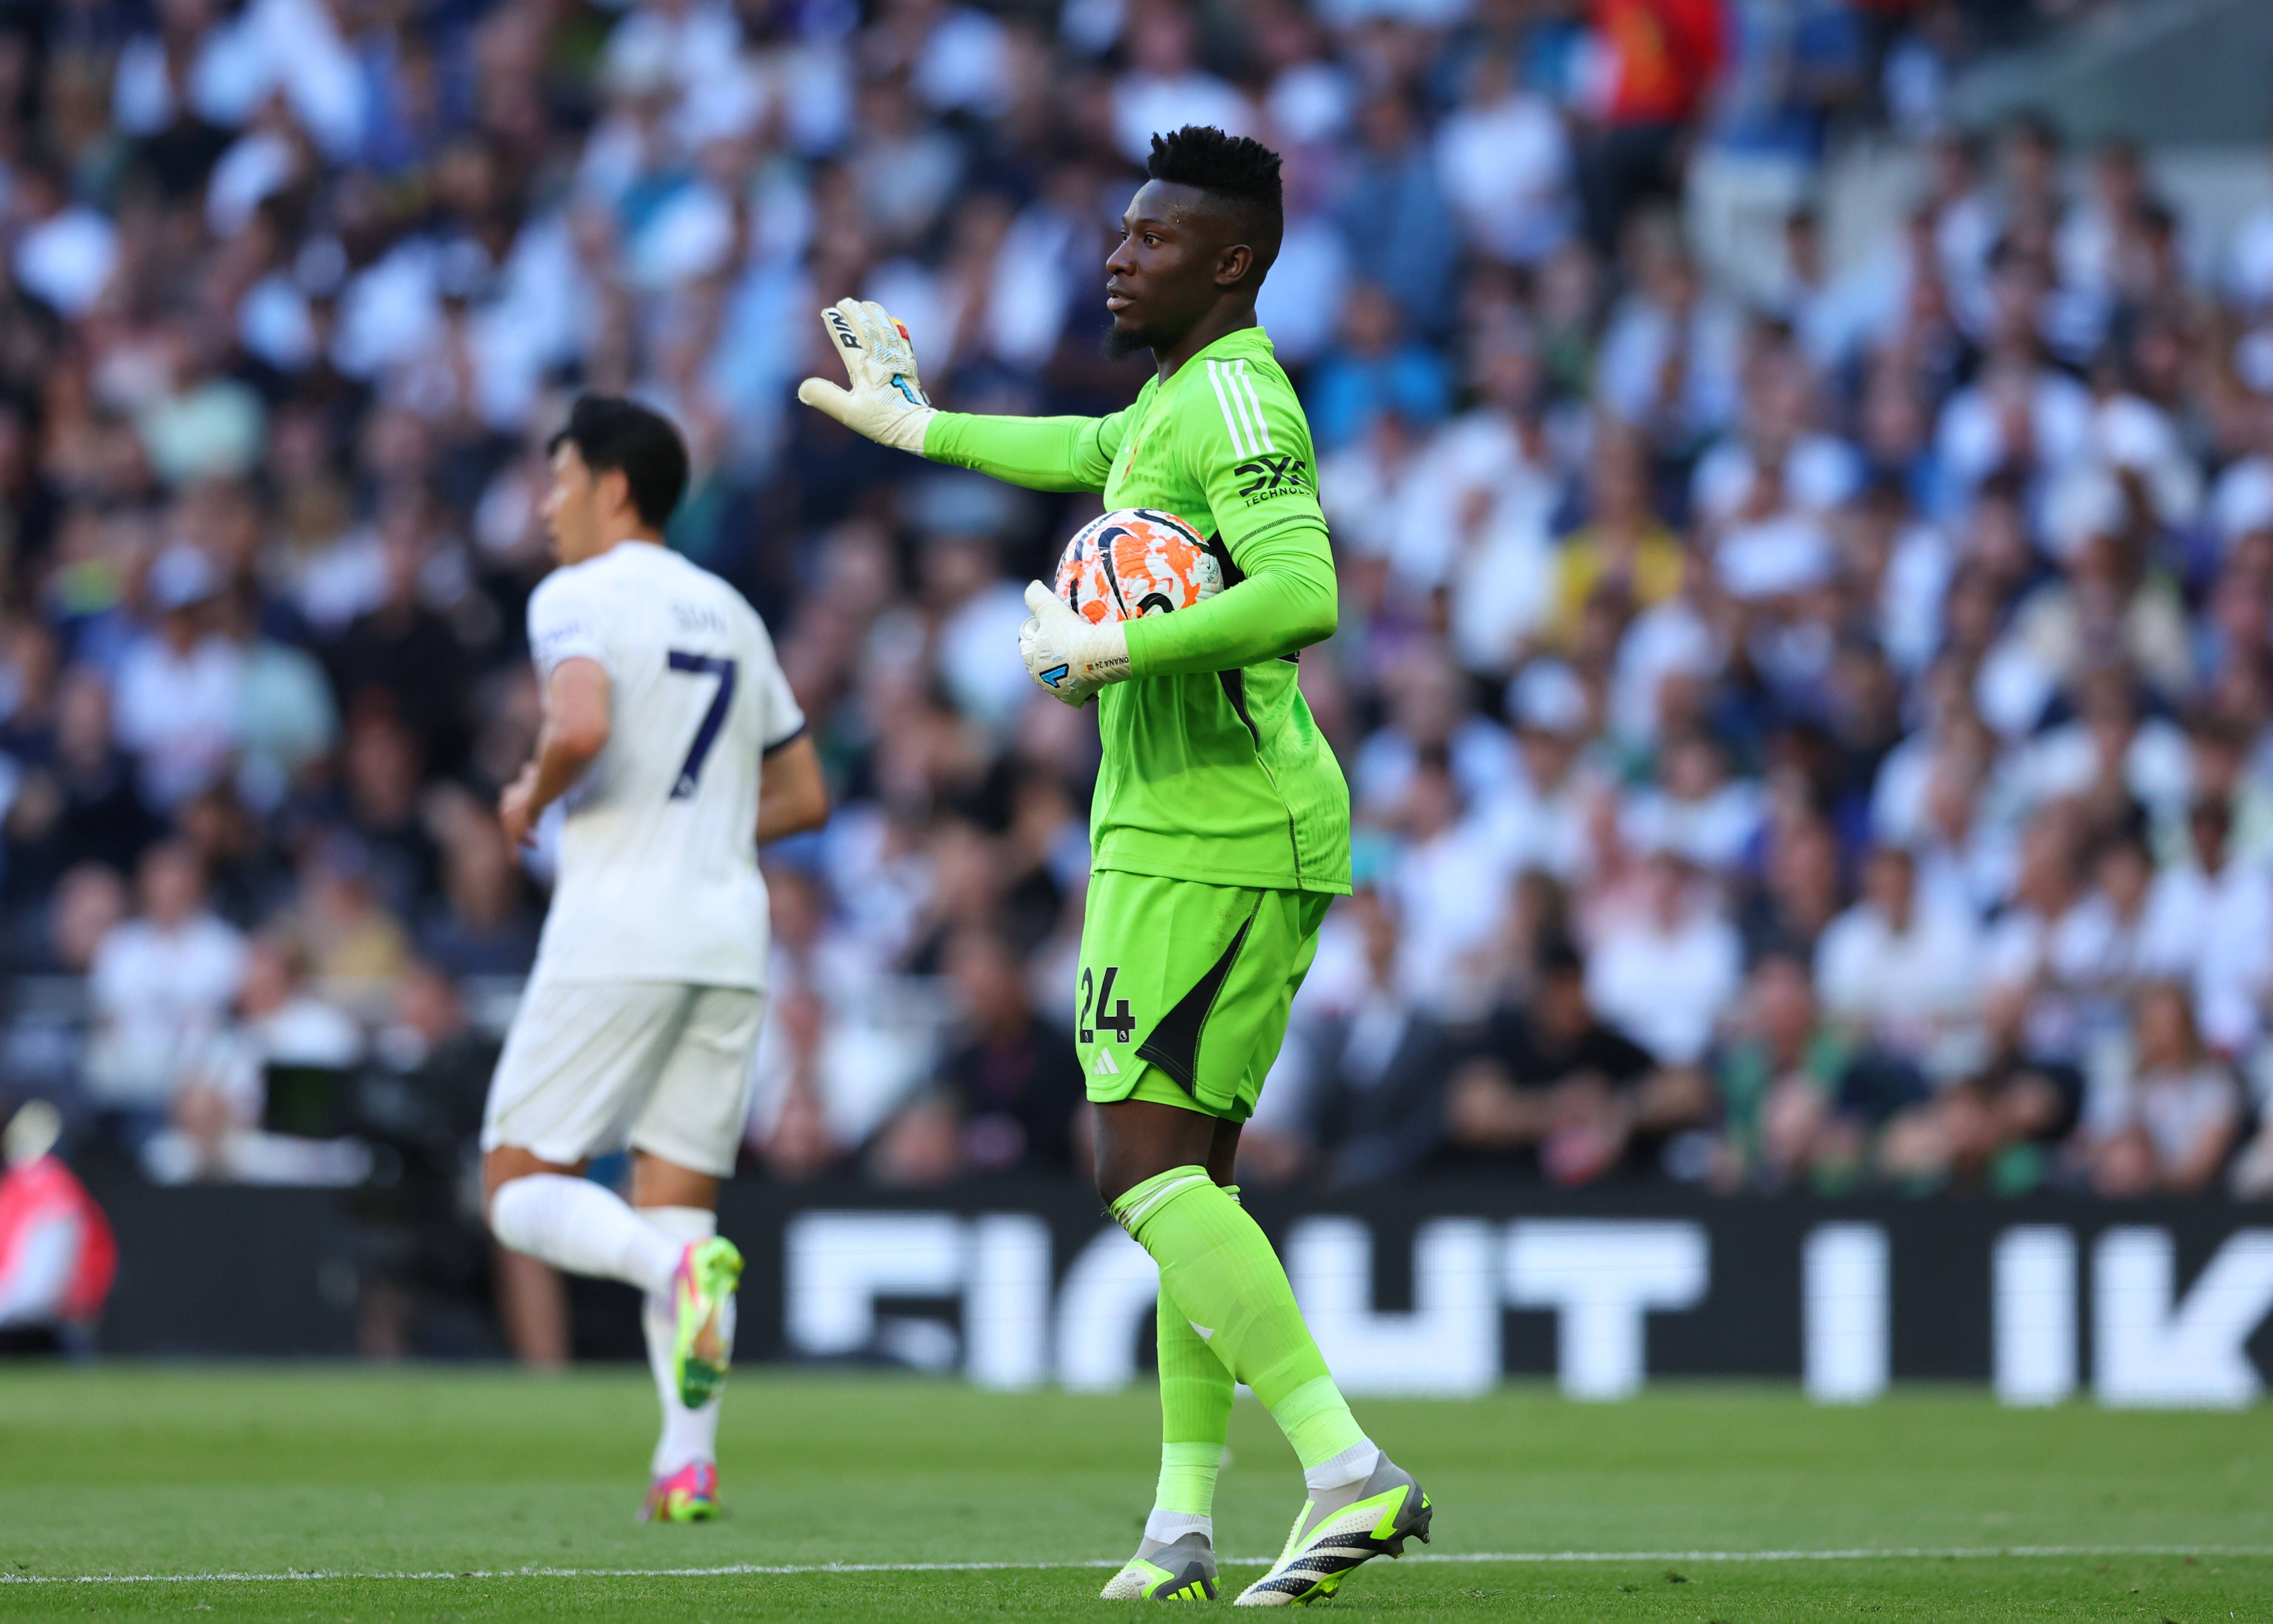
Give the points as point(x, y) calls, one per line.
point(1135, 562)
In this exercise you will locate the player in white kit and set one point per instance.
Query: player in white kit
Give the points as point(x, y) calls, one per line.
point(676, 748)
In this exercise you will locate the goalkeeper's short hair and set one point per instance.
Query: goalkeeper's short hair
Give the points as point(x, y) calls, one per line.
point(1238, 173)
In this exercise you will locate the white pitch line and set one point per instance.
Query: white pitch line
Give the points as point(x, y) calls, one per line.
point(727, 1571)
point(748, 1569)
point(1911, 1553)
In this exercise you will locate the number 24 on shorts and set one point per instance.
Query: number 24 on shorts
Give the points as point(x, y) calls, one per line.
point(1121, 1023)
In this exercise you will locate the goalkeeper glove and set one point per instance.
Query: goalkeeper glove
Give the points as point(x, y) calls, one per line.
point(886, 403)
point(1068, 654)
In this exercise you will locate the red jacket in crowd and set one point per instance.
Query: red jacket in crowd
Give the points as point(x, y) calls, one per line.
point(1661, 57)
point(39, 1192)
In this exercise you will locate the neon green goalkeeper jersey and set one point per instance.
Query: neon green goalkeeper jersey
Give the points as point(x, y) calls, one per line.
point(1214, 768)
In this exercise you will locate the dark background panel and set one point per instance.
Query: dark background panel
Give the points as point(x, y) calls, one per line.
point(234, 1271)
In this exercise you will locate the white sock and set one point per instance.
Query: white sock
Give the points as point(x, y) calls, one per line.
point(577, 1225)
point(1354, 1464)
point(1167, 1527)
point(688, 1435)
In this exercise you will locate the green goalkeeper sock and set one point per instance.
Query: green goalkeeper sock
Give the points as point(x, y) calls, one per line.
point(1217, 1268)
point(1196, 1392)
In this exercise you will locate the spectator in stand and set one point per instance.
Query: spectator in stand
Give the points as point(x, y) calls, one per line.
point(1996, 1129)
point(1665, 970)
point(402, 651)
point(161, 983)
point(1399, 229)
point(1371, 1077)
point(1800, 896)
point(1006, 1095)
point(1695, 807)
point(1555, 1080)
point(88, 903)
point(247, 877)
point(77, 801)
point(1016, 1087)
point(2209, 924)
point(44, 1037)
point(1672, 352)
point(65, 252)
point(2104, 947)
point(2251, 1177)
point(220, 1131)
point(1899, 971)
point(1623, 552)
point(354, 945)
point(1538, 823)
point(288, 725)
point(2017, 955)
point(1373, 370)
point(482, 925)
point(382, 765)
point(2163, 1114)
point(790, 1132)
point(179, 695)
point(1445, 880)
point(1659, 58)
point(1668, 594)
point(1779, 1082)
point(1505, 160)
point(975, 608)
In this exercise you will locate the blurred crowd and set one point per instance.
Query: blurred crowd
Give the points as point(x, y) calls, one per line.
point(1812, 733)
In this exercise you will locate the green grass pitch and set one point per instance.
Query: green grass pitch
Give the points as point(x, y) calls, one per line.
point(493, 1494)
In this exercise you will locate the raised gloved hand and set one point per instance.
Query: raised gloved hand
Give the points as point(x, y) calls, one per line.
point(886, 402)
point(1068, 654)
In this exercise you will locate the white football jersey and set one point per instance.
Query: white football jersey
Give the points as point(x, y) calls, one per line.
point(658, 870)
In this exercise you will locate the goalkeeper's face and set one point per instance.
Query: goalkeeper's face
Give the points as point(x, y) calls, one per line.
point(1177, 257)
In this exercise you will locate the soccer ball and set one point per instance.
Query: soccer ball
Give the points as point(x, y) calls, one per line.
point(1135, 562)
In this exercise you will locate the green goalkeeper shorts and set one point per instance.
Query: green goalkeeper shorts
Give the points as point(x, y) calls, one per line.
point(1184, 988)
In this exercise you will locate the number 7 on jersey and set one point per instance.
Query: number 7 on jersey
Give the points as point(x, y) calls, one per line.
point(713, 719)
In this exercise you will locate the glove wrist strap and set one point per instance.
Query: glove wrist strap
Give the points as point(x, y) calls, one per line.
point(906, 432)
point(1107, 659)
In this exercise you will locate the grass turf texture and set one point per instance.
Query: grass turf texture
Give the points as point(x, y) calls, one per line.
point(125, 1471)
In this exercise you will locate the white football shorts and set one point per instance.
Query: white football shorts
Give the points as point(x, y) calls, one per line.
point(592, 1066)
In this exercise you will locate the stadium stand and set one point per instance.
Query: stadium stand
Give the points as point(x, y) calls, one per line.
point(1810, 715)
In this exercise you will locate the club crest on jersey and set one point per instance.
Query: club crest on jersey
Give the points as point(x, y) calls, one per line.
point(1270, 476)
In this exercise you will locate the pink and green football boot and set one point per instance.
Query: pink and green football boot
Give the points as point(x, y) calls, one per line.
point(688, 1495)
point(708, 1274)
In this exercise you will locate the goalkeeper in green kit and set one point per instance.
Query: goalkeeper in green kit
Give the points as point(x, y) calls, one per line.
point(1220, 833)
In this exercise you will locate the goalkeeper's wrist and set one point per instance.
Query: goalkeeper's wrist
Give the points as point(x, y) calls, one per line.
point(1136, 633)
point(1110, 663)
point(909, 431)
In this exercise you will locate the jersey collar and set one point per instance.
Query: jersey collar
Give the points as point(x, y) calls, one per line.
point(1240, 342)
